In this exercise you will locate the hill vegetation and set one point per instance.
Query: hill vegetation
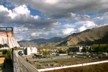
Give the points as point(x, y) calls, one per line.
point(88, 37)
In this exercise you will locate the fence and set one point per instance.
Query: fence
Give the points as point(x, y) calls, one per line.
point(21, 65)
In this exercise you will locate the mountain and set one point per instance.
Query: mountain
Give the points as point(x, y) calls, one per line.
point(96, 35)
point(45, 41)
point(40, 41)
point(25, 43)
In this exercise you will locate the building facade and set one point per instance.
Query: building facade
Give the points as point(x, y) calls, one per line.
point(7, 39)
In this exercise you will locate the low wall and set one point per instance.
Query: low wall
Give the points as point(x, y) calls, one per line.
point(21, 65)
point(77, 65)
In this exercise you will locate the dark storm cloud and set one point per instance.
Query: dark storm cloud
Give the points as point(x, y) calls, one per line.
point(35, 26)
point(21, 15)
point(63, 8)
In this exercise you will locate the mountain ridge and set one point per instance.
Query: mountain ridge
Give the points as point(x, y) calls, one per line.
point(88, 37)
point(43, 41)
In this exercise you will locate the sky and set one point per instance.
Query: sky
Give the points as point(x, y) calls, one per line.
point(33, 19)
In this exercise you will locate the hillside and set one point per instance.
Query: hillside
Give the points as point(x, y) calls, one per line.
point(46, 41)
point(87, 37)
point(91, 36)
point(36, 42)
point(27, 44)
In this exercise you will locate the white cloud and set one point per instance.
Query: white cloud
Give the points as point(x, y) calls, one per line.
point(79, 17)
point(37, 34)
point(102, 19)
point(34, 34)
point(68, 31)
point(83, 25)
point(82, 28)
point(20, 10)
point(51, 1)
point(20, 14)
point(54, 9)
point(89, 24)
point(20, 29)
point(63, 8)
point(3, 9)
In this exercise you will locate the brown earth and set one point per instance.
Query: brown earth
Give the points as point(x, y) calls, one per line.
point(92, 68)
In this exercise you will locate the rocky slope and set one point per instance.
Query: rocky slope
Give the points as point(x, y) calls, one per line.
point(87, 37)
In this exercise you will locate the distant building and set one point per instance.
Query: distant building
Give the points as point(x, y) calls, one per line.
point(80, 48)
point(53, 52)
point(76, 49)
point(29, 50)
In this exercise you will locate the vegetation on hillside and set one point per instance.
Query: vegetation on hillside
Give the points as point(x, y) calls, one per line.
point(88, 37)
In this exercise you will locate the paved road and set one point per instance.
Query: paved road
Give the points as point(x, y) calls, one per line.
point(77, 65)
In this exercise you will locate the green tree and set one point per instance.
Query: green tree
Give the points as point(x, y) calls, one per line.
point(7, 54)
point(1, 45)
point(84, 50)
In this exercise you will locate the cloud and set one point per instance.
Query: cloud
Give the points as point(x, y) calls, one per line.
point(102, 19)
point(63, 8)
point(68, 31)
point(83, 25)
point(51, 1)
point(79, 26)
point(20, 29)
point(27, 24)
point(20, 10)
point(78, 15)
point(21, 15)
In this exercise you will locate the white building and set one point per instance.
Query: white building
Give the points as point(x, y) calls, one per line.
point(11, 42)
point(30, 50)
point(80, 48)
point(7, 39)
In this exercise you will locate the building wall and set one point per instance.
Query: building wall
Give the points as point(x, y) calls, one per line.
point(7, 37)
point(31, 50)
